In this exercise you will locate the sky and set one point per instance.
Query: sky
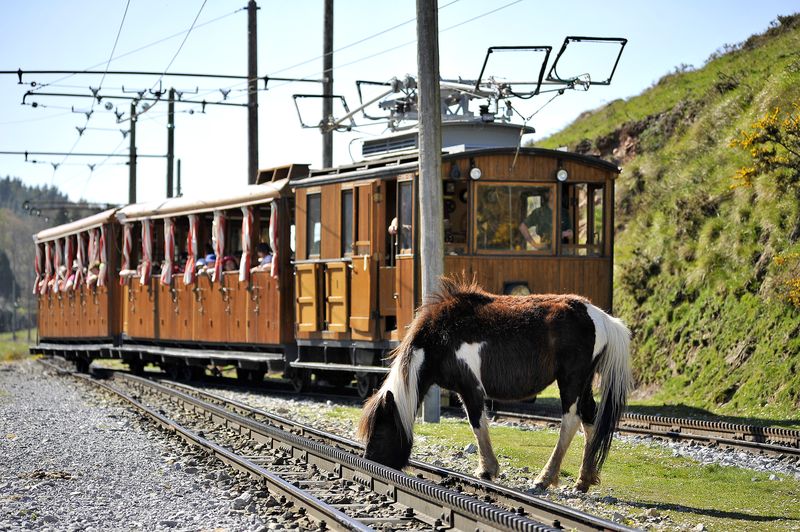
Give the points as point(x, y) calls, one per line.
point(373, 40)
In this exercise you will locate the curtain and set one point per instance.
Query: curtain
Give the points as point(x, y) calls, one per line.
point(191, 251)
point(147, 251)
point(218, 240)
point(169, 251)
point(247, 228)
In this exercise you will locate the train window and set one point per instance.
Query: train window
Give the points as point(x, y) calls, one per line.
point(405, 217)
point(347, 223)
point(313, 225)
point(586, 220)
point(514, 218)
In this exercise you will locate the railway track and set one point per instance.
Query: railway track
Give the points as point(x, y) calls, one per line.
point(316, 472)
point(774, 441)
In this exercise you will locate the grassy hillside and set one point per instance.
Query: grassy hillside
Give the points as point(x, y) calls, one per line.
point(703, 267)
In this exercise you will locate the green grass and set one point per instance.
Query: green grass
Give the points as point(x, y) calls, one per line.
point(634, 478)
point(694, 279)
point(11, 350)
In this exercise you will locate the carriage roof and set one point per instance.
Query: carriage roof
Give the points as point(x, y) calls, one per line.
point(399, 164)
point(78, 226)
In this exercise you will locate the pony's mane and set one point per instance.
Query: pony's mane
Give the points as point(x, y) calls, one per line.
point(457, 289)
point(402, 377)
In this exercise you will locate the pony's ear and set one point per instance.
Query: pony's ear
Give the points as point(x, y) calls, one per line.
point(388, 398)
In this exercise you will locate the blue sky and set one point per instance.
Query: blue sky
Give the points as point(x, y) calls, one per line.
point(78, 34)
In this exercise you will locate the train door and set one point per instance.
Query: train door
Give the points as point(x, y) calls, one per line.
point(363, 279)
point(387, 271)
point(404, 255)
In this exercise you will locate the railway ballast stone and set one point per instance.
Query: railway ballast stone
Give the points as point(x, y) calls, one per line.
point(75, 460)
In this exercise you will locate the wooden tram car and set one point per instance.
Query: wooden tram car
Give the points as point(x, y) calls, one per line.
point(341, 289)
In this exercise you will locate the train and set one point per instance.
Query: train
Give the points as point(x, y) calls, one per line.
point(314, 274)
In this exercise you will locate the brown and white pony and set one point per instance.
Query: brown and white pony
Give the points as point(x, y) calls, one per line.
point(480, 346)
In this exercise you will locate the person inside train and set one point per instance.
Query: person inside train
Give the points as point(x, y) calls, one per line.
point(229, 264)
point(263, 255)
point(537, 227)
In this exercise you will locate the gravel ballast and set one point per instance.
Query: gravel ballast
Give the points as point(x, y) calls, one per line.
point(74, 460)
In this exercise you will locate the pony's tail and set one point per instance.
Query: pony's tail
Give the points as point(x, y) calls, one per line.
point(615, 372)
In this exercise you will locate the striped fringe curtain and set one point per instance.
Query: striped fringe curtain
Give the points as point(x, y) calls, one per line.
point(169, 251)
point(218, 240)
point(191, 251)
point(57, 267)
point(247, 228)
point(37, 268)
point(48, 267)
point(147, 251)
point(273, 239)
point(102, 274)
point(79, 258)
point(127, 244)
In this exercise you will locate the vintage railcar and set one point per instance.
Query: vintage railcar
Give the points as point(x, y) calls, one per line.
point(344, 278)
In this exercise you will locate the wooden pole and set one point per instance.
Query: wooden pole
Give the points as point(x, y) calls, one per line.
point(132, 157)
point(327, 86)
point(170, 142)
point(252, 94)
point(431, 248)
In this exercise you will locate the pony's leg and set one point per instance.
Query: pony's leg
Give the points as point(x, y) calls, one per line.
point(569, 425)
point(588, 411)
point(488, 467)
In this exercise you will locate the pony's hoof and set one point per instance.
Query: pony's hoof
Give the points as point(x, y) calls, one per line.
point(539, 487)
point(582, 486)
point(486, 474)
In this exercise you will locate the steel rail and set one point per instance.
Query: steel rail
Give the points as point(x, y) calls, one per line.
point(325, 514)
point(448, 507)
point(540, 509)
point(746, 437)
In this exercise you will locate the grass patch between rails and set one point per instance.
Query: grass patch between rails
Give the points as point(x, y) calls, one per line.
point(635, 478)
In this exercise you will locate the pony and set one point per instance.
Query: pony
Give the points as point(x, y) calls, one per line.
point(482, 345)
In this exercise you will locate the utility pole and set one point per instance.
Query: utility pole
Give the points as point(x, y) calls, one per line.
point(170, 140)
point(132, 158)
point(327, 86)
point(252, 94)
point(431, 247)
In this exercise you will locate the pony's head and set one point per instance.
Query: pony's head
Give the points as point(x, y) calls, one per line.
point(381, 429)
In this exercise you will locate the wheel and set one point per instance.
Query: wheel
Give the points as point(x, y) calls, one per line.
point(243, 375)
point(300, 381)
point(196, 373)
point(173, 371)
point(338, 379)
point(136, 367)
point(82, 365)
point(256, 376)
point(365, 383)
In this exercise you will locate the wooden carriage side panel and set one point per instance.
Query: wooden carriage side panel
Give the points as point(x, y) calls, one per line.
point(102, 311)
point(307, 309)
point(331, 216)
point(361, 283)
point(387, 284)
point(336, 296)
point(264, 310)
point(170, 309)
point(141, 308)
point(405, 294)
point(184, 305)
point(45, 316)
point(590, 278)
point(210, 320)
point(235, 320)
